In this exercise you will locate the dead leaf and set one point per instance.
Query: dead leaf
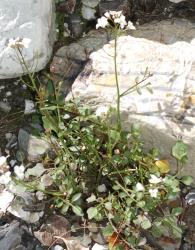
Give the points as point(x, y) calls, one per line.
point(163, 166)
point(55, 226)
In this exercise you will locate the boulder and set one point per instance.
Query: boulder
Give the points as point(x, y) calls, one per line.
point(26, 19)
point(166, 50)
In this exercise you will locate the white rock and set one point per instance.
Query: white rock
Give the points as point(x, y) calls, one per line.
point(26, 19)
point(99, 247)
point(170, 58)
point(3, 161)
point(57, 247)
point(37, 170)
point(5, 199)
point(12, 163)
point(29, 107)
point(101, 188)
point(16, 210)
point(176, 1)
point(8, 93)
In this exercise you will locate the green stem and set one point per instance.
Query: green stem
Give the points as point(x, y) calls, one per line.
point(117, 83)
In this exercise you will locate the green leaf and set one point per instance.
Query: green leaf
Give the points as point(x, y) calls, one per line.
point(146, 224)
point(75, 197)
point(77, 210)
point(65, 208)
point(177, 211)
point(49, 123)
point(50, 88)
point(179, 151)
point(187, 180)
point(108, 231)
point(92, 212)
point(108, 206)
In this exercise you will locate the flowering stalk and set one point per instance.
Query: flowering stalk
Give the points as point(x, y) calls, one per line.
point(18, 45)
point(115, 20)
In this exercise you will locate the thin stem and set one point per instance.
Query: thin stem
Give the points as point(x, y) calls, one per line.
point(117, 83)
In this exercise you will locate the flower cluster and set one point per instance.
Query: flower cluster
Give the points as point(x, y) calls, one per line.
point(153, 191)
point(114, 18)
point(19, 43)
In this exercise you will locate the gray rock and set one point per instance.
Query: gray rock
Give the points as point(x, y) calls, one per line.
point(10, 236)
point(167, 50)
point(98, 238)
point(33, 147)
point(106, 5)
point(90, 3)
point(88, 13)
point(12, 142)
point(69, 60)
point(5, 107)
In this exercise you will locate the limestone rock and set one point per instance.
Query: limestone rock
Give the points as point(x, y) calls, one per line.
point(33, 147)
point(26, 19)
point(167, 50)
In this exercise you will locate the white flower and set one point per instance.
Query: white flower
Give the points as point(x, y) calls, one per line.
point(19, 43)
point(5, 178)
point(102, 22)
point(130, 26)
point(139, 187)
point(25, 42)
point(19, 171)
point(154, 179)
point(107, 14)
point(115, 14)
point(153, 192)
point(101, 111)
point(121, 20)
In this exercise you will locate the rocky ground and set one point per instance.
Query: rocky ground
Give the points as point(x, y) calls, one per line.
point(16, 124)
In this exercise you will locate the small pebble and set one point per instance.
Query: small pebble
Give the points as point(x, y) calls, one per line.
point(5, 107)
point(20, 156)
point(8, 93)
point(101, 188)
point(12, 163)
point(24, 86)
point(29, 107)
point(8, 136)
point(7, 151)
point(57, 247)
point(99, 247)
point(2, 87)
point(12, 142)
